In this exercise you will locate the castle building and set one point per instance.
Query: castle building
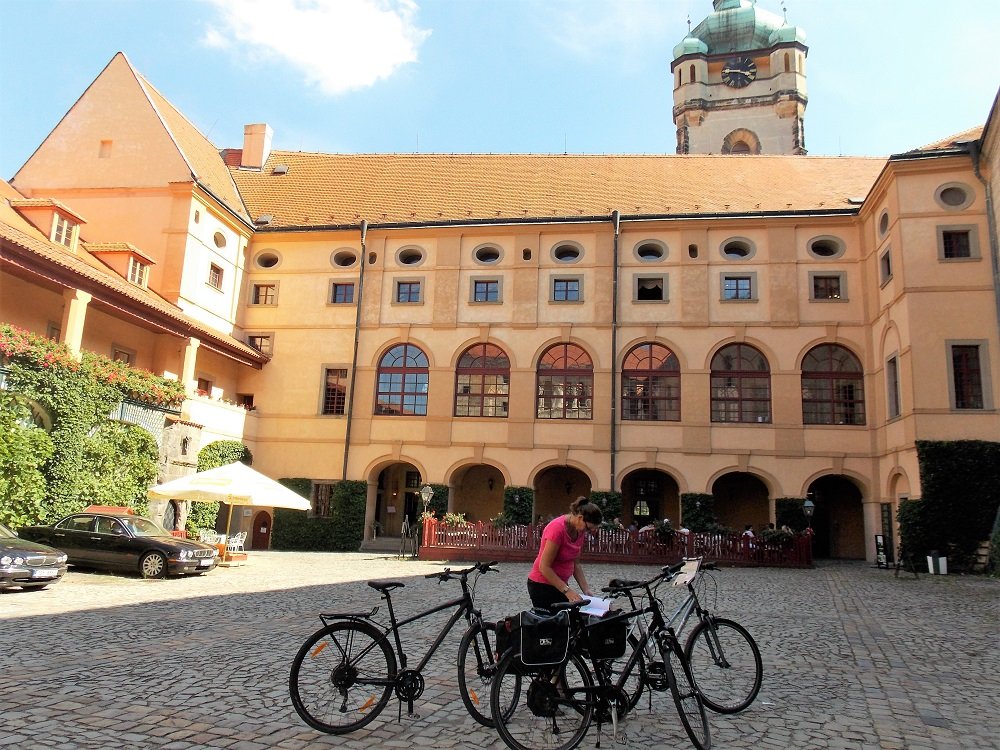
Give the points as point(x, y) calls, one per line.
point(751, 328)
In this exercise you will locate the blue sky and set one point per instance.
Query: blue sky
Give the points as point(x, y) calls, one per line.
point(508, 76)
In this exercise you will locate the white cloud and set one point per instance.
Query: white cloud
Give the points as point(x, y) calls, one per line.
point(337, 45)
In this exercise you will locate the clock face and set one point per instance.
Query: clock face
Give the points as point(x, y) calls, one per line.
point(739, 72)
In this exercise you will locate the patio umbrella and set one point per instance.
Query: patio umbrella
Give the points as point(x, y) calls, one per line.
point(233, 484)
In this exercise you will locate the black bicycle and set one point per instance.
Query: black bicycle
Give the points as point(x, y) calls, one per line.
point(551, 706)
point(724, 657)
point(345, 673)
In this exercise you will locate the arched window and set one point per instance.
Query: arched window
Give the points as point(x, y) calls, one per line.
point(565, 383)
point(402, 382)
point(691, 69)
point(482, 382)
point(740, 147)
point(833, 386)
point(788, 66)
point(651, 384)
point(741, 385)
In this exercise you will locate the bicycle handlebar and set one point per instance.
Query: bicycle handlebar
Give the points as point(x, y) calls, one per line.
point(447, 574)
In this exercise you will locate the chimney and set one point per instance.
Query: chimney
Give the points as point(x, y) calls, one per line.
point(256, 145)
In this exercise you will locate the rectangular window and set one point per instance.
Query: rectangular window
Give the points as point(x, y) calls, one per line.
point(738, 287)
point(566, 290)
point(485, 290)
point(63, 230)
point(885, 266)
point(119, 354)
point(53, 332)
point(262, 342)
point(245, 400)
point(264, 294)
point(335, 391)
point(966, 376)
point(892, 387)
point(407, 291)
point(204, 387)
point(138, 272)
point(955, 244)
point(827, 286)
point(650, 289)
point(215, 276)
point(341, 294)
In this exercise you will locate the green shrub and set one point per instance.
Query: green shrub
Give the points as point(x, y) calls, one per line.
point(24, 449)
point(960, 501)
point(610, 503)
point(698, 512)
point(120, 462)
point(341, 531)
point(517, 504)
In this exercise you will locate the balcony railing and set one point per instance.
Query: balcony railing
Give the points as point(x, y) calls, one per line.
point(483, 541)
point(150, 418)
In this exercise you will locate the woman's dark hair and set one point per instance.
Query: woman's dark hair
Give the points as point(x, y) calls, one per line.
point(583, 507)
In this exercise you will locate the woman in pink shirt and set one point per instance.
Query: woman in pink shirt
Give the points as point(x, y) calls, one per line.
point(559, 555)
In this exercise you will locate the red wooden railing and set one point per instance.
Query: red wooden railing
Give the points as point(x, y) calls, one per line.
point(482, 541)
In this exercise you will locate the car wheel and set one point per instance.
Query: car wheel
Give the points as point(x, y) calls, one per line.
point(153, 565)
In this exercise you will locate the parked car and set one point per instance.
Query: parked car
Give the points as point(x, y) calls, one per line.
point(28, 564)
point(120, 541)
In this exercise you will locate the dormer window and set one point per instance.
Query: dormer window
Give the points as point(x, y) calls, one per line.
point(64, 231)
point(138, 272)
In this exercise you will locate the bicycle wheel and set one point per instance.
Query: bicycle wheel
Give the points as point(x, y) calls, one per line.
point(476, 667)
point(342, 677)
point(635, 680)
point(542, 708)
point(726, 664)
point(687, 697)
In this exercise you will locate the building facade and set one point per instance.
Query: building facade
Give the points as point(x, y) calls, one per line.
point(750, 328)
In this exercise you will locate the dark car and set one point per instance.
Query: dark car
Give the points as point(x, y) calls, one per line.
point(122, 541)
point(28, 564)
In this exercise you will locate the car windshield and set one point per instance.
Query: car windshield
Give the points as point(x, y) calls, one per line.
point(6, 533)
point(140, 526)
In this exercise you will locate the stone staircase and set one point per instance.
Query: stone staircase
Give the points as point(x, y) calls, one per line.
point(382, 545)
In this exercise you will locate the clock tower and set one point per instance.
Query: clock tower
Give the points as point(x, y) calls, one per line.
point(739, 82)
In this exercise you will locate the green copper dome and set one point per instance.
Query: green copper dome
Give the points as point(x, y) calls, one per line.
point(737, 26)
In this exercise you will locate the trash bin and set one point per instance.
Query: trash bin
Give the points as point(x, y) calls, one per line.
point(937, 564)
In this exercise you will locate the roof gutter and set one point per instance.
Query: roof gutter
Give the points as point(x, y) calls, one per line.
point(707, 216)
point(357, 339)
point(991, 223)
point(616, 225)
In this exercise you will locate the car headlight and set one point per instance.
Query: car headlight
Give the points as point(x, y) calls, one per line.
point(185, 554)
point(6, 560)
point(61, 559)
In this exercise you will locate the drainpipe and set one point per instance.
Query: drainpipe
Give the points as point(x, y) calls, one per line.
point(616, 220)
point(357, 338)
point(992, 229)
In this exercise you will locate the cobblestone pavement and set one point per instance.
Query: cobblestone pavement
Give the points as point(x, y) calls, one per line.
point(853, 658)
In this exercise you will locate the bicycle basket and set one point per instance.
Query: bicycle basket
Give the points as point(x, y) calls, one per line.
point(606, 635)
point(544, 638)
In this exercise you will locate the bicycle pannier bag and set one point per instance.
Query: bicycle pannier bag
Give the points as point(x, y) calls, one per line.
point(606, 636)
point(508, 634)
point(544, 638)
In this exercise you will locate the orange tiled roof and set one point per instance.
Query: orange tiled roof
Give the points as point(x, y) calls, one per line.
point(336, 189)
point(971, 134)
point(116, 247)
point(204, 159)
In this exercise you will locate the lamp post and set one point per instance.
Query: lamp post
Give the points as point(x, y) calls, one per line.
point(808, 508)
point(426, 493)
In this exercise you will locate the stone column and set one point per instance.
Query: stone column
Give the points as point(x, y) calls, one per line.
point(190, 360)
point(73, 319)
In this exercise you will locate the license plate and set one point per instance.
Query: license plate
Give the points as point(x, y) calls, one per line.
point(205, 563)
point(44, 573)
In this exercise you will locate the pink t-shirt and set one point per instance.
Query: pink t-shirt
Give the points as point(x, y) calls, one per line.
point(557, 532)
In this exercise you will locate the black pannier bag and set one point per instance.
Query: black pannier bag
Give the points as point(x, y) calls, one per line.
point(606, 636)
point(508, 634)
point(544, 637)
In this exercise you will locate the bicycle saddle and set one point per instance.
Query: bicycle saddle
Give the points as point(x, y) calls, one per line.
point(384, 586)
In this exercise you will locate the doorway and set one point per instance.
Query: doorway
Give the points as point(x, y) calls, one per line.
point(261, 538)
